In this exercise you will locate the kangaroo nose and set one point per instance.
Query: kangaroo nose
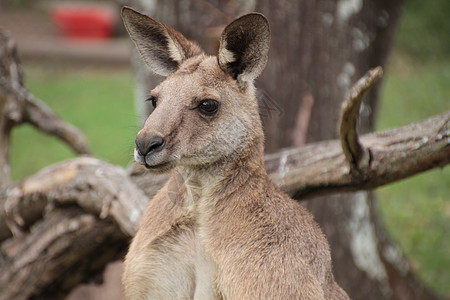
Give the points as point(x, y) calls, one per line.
point(146, 146)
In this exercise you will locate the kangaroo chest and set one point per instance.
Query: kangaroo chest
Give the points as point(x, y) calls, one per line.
point(200, 262)
point(204, 267)
point(186, 259)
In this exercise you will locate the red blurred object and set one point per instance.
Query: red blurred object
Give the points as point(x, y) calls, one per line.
point(84, 22)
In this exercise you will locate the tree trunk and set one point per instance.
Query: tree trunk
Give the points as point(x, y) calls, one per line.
point(318, 49)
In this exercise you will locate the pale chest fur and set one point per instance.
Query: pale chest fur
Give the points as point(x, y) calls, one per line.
point(195, 258)
point(205, 272)
point(175, 265)
point(199, 197)
point(177, 261)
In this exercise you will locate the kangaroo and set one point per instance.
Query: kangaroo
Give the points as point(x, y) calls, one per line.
point(218, 229)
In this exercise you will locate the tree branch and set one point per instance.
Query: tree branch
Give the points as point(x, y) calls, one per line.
point(21, 106)
point(95, 186)
point(356, 155)
point(60, 252)
point(322, 168)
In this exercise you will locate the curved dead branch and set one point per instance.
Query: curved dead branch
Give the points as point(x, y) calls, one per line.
point(58, 254)
point(69, 221)
point(95, 186)
point(322, 168)
point(357, 156)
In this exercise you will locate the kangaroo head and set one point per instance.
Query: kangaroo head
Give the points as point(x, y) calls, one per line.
point(205, 110)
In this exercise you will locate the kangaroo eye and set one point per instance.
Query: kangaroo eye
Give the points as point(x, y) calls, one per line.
point(153, 100)
point(208, 107)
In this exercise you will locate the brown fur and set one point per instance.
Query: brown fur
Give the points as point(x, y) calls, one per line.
point(218, 229)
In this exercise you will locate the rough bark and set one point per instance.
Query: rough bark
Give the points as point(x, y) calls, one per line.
point(322, 168)
point(58, 254)
point(91, 184)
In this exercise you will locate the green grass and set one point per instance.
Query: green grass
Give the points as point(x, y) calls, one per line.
point(413, 91)
point(100, 103)
point(416, 211)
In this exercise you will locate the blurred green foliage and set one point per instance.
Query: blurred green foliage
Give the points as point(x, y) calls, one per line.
point(424, 30)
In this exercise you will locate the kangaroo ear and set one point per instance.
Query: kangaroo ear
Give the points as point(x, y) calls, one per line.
point(161, 47)
point(244, 47)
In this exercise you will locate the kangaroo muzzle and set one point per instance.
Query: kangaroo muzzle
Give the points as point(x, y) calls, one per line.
point(147, 146)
